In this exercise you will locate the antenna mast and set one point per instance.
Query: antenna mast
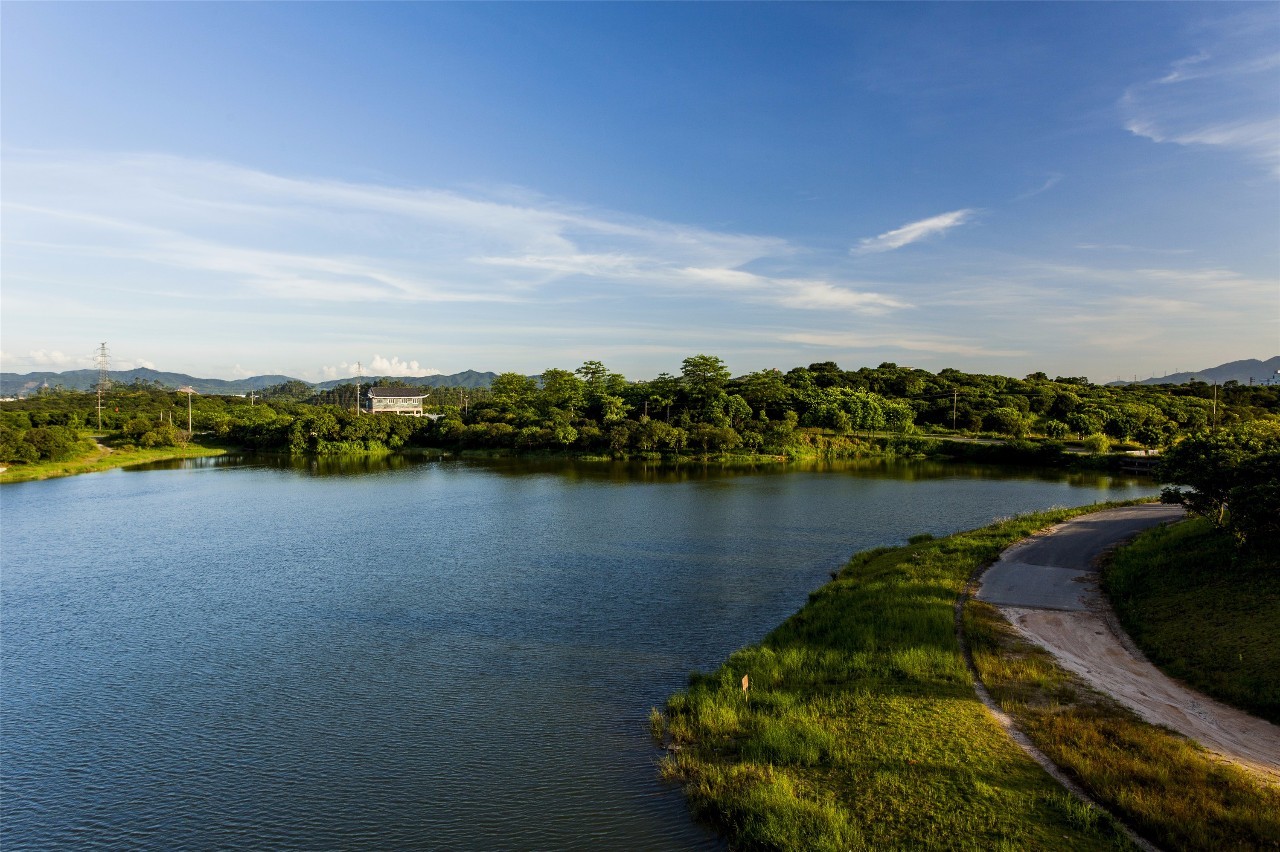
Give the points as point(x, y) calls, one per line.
point(104, 378)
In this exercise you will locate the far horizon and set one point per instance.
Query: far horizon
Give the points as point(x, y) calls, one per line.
point(1267, 372)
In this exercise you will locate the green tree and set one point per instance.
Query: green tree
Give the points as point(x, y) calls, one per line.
point(1006, 421)
point(563, 390)
point(1234, 475)
point(704, 378)
point(766, 391)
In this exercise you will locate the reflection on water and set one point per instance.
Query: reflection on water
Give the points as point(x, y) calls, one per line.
point(410, 652)
point(908, 470)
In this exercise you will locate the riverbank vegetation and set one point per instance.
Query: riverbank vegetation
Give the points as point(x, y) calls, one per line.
point(101, 458)
point(806, 412)
point(859, 728)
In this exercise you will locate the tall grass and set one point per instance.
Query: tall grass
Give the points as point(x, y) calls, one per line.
point(860, 728)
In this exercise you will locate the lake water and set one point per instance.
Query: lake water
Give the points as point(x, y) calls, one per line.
point(429, 654)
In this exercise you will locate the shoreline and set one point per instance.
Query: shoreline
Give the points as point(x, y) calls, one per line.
point(861, 724)
point(103, 460)
point(909, 447)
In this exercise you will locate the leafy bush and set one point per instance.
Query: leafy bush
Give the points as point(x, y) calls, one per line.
point(1097, 443)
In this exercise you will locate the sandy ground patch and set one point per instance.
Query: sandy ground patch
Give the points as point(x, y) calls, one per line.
point(1086, 643)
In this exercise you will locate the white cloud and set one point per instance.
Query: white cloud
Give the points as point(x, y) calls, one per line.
point(914, 232)
point(822, 295)
point(40, 360)
point(393, 366)
point(379, 366)
point(1223, 96)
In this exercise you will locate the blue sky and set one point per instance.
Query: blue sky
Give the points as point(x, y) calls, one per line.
point(230, 189)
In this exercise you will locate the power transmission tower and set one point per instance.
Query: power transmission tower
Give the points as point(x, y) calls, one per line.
point(359, 376)
point(104, 378)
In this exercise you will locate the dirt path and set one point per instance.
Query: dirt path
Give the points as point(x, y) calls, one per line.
point(1047, 587)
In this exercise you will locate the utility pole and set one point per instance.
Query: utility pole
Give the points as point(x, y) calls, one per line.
point(1215, 405)
point(188, 390)
point(955, 397)
point(104, 378)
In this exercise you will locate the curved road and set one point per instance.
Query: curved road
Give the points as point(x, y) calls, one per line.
point(1047, 587)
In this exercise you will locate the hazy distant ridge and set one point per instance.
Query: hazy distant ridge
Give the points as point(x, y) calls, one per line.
point(1240, 371)
point(465, 379)
point(16, 384)
point(20, 384)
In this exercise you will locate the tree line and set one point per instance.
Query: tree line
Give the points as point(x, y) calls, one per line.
point(703, 409)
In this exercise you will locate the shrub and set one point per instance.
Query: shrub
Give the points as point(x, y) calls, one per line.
point(1097, 443)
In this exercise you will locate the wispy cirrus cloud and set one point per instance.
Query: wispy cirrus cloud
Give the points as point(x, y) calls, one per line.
point(172, 226)
point(916, 343)
point(1223, 96)
point(914, 232)
point(1053, 179)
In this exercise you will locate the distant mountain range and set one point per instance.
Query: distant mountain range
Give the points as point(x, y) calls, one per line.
point(465, 379)
point(21, 384)
point(16, 384)
point(1244, 372)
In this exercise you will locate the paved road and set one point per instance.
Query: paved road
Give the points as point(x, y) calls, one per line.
point(1055, 570)
point(1047, 588)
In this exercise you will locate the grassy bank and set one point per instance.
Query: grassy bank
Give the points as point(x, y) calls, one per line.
point(104, 458)
point(1166, 787)
point(860, 728)
point(1203, 615)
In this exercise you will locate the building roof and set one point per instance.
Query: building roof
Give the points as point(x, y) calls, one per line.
point(395, 393)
